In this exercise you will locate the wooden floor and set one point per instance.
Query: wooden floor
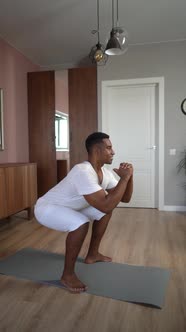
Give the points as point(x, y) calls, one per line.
point(135, 236)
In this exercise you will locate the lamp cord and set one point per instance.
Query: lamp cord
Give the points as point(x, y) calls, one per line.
point(117, 23)
point(117, 14)
point(113, 13)
point(98, 21)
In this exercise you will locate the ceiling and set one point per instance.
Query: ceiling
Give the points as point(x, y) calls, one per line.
point(57, 34)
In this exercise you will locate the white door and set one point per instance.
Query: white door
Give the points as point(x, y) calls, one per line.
point(128, 116)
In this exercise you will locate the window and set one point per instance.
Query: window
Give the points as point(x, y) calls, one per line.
point(61, 131)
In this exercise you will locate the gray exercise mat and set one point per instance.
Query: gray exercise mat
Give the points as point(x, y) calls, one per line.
point(139, 284)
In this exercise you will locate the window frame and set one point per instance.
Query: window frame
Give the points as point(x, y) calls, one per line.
point(61, 115)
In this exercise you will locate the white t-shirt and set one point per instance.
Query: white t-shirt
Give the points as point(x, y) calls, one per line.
point(81, 180)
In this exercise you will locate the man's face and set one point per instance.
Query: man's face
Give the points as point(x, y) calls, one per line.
point(106, 151)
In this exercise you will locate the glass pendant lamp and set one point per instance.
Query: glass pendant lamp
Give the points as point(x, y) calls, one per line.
point(97, 52)
point(118, 42)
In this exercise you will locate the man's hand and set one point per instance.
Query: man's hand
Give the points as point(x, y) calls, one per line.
point(125, 170)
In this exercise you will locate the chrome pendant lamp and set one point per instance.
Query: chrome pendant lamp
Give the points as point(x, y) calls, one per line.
point(97, 53)
point(118, 42)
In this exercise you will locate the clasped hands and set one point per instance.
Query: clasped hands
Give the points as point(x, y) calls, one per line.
point(125, 170)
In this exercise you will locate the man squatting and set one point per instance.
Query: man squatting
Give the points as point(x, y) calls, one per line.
point(89, 192)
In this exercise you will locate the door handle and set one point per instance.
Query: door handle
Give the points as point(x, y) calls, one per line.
point(154, 147)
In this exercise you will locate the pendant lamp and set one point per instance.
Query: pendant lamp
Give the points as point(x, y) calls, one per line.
point(97, 53)
point(118, 42)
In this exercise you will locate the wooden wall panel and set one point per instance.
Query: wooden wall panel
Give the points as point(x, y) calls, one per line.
point(41, 117)
point(62, 169)
point(83, 117)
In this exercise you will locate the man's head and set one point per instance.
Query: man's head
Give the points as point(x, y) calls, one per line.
point(93, 139)
point(98, 145)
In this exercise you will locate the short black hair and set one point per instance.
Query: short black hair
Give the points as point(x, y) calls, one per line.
point(93, 139)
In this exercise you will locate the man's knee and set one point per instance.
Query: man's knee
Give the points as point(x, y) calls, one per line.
point(108, 215)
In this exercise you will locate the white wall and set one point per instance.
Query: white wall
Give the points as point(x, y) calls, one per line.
point(157, 60)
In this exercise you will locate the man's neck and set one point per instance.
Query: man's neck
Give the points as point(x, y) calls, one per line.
point(96, 164)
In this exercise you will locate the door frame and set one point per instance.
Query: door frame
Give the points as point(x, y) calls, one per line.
point(159, 83)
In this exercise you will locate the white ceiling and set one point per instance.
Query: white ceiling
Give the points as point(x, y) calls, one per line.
point(57, 33)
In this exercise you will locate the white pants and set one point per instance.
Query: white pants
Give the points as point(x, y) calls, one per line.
point(63, 218)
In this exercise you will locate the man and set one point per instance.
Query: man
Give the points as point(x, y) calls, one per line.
point(90, 192)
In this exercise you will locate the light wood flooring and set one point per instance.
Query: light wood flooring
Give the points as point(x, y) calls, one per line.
point(135, 236)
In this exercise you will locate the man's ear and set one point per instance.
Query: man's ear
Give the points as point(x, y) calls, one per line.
point(99, 149)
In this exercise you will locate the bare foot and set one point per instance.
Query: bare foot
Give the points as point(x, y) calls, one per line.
point(73, 284)
point(98, 258)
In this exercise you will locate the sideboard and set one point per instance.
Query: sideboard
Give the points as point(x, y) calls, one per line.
point(18, 188)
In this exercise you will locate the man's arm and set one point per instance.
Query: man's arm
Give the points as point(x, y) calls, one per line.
point(107, 202)
point(128, 192)
point(129, 189)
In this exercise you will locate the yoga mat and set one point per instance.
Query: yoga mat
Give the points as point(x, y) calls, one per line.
point(139, 284)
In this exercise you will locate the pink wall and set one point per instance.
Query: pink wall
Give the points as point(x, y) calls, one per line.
point(13, 80)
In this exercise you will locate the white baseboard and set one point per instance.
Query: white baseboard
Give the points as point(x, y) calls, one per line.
point(174, 208)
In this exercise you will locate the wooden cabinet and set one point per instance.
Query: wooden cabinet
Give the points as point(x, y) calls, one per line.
point(18, 188)
point(82, 86)
point(3, 201)
point(83, 118)
point(41, 122)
